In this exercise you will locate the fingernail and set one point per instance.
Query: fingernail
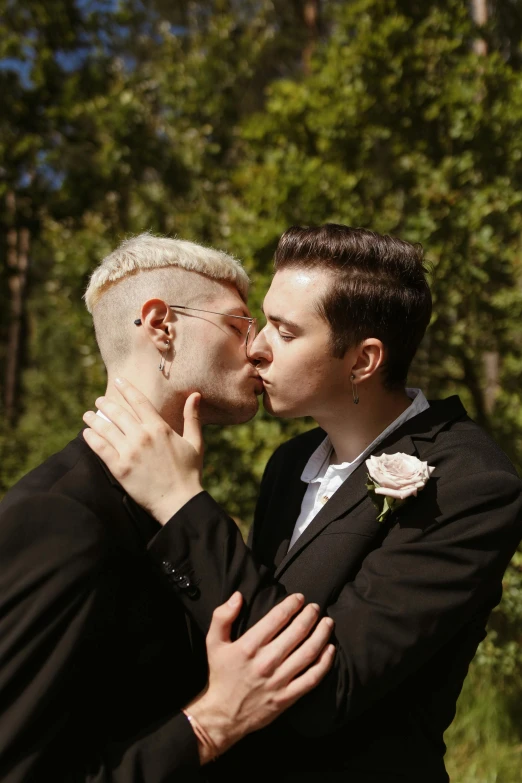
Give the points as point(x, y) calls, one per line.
point(119, 381)
point(299, 596)
point(88, 414)
point(99, 401)
point(315, 606)
point(234, 599)
point(329, 622)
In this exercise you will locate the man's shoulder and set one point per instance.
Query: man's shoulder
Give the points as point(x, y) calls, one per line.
point(67, 480)
point(46, 523)
point(461, 441)
point(470, 467)
point(59, 472)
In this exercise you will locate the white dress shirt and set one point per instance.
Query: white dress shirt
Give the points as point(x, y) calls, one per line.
point(324, 479)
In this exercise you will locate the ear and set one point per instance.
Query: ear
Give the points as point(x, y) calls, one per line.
point(157, 321)
point(369, 357)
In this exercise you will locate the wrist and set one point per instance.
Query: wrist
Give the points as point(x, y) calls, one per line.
point(220, 729)
point(170, 504)
point(207, 749)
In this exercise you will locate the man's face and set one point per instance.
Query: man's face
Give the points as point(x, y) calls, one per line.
point(211, 356)
point(293, 352)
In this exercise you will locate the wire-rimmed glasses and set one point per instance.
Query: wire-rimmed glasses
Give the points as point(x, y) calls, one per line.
point(252, 322)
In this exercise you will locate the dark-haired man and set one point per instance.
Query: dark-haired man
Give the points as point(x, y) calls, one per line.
point(408, 562)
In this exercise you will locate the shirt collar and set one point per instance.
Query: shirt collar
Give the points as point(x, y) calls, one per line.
point(316, 467)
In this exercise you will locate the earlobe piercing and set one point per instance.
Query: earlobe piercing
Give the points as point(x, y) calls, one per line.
point(355, 393)
point(162, 361)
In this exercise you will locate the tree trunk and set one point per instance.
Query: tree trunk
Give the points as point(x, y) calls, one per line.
point(18, 241)
point(311, 19)
point(479, 10)
point(475, 387)
point(491, 363)
point(490, 359)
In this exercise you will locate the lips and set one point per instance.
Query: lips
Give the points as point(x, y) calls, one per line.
point(259, 385)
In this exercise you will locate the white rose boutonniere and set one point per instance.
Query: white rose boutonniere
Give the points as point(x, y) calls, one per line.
point(393, 478)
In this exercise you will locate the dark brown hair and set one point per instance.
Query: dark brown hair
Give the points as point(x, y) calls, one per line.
point(379, 289)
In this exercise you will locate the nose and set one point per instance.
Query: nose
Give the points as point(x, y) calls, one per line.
point(259, 352)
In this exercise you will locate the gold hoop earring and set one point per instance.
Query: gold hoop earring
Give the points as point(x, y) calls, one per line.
point(355, 393)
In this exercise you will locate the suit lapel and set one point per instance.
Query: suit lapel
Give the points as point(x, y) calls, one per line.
point(292, 509)
point(424, 426)
point(288, 510)
point(349, 495)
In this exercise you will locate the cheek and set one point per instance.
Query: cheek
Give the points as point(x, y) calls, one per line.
point(298, 363)
point(313, 382)
point(297, 382)
point(219, 353)
point(229, 357)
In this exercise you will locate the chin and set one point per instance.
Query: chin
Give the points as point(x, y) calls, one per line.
point(278, 409)
point(228, 412)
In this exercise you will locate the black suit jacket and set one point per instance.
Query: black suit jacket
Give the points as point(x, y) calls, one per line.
point(410, 597)
point(95, 654)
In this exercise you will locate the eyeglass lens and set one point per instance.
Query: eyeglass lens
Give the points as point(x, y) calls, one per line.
point(251, 334)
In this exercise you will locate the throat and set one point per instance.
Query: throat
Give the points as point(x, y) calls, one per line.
point(351, 436)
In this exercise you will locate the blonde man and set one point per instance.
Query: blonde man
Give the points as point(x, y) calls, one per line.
point(191, 304)
point(101, 676)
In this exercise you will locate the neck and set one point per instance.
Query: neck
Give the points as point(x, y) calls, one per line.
point(351, 428)
point(170, 406)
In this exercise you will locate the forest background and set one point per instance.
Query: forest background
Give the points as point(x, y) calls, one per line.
point(225, 122)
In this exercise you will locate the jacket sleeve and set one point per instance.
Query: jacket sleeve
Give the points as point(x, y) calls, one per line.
point(53, 566)
point(439, 565)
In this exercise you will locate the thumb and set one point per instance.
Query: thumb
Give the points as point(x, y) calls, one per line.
point(192, 423)
point(222, 620)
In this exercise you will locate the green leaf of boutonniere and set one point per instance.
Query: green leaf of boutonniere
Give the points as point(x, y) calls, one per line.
point(384, 504)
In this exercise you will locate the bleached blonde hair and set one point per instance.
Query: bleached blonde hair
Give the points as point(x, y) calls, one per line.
point(148, 266)
point(147, 251)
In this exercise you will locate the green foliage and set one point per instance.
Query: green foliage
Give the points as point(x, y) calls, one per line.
point(132, 135)
point(485, 740)
point(403, 128)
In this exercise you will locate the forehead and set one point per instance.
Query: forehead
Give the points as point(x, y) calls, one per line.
point(296, 292)
point(222, 296)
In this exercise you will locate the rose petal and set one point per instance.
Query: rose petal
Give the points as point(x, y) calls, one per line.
point(399, 475)
point(399, 494)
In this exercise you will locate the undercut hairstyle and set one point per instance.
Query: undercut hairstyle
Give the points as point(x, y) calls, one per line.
point(146, 267)
point(378, 289)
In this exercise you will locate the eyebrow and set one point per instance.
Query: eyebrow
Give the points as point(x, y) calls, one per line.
point(280, 320)
point(234, 311)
